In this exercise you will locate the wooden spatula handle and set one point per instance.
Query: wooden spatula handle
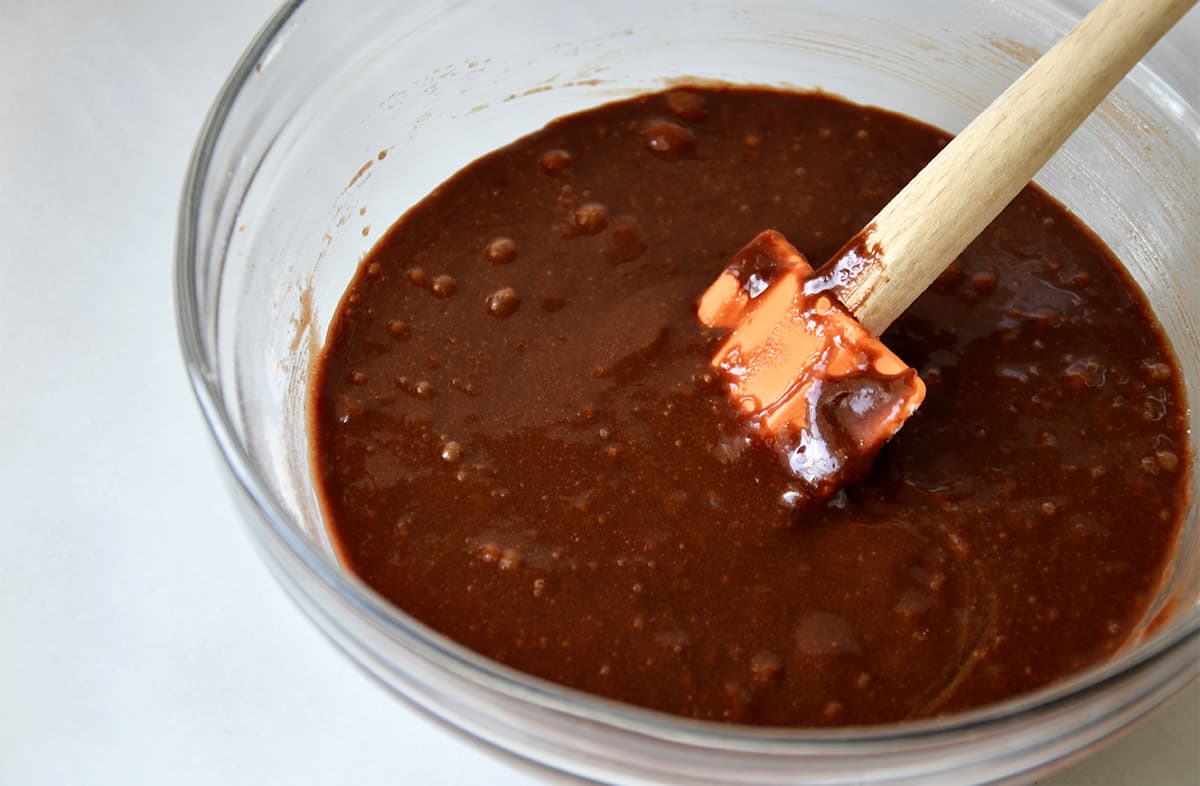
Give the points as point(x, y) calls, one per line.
point(957, 195)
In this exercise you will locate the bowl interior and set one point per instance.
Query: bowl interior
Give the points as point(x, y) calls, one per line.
point(352, 112)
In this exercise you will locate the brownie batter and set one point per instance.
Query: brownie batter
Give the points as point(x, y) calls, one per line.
point(520, 441)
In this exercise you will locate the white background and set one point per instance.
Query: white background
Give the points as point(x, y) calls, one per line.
point(142, 642)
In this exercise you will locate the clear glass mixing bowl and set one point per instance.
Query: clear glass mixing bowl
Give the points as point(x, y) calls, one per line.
point(343, 114)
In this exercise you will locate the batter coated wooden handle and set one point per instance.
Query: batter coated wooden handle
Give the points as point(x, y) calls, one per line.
point(925, 227)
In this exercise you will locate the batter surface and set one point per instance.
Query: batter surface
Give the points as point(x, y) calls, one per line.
point(520, 440)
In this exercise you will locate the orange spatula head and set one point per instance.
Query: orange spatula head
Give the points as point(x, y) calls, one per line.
point(809, 379)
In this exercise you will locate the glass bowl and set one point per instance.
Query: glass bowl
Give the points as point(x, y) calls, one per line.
point(342, 114)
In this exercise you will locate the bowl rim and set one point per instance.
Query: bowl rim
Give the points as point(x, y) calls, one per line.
point(274, 523)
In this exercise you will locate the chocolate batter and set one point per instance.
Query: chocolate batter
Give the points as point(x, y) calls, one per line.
point(520, 441)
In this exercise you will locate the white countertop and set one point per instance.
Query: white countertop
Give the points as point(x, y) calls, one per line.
point(144, 643)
